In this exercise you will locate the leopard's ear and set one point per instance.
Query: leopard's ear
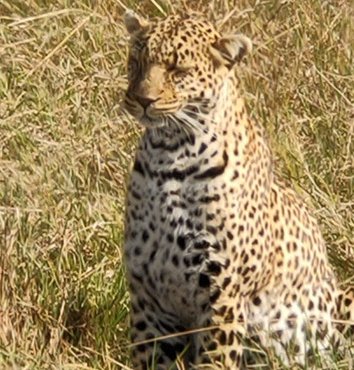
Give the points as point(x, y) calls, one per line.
point(134, 23)
point(231, 49)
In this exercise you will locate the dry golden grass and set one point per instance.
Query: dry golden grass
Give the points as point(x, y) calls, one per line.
point(66, 147)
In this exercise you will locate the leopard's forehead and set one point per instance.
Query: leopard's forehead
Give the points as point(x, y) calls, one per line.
point(175, 33)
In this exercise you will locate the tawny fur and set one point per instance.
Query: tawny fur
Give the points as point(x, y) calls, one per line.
point(213, 238)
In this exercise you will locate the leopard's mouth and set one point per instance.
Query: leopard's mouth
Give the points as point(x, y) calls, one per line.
point(158, 110)
point(155, 115)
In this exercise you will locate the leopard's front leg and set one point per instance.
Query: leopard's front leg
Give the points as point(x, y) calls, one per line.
point(220, 347)
point(155, 343)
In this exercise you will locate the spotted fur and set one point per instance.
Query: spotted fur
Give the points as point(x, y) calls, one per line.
point(213, 238)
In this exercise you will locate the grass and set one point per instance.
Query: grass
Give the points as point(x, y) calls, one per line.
point(66, 148)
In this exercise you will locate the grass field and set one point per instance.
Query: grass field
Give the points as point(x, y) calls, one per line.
point(66, 148)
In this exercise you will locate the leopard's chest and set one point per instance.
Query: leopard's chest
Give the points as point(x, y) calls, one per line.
point(164, 223)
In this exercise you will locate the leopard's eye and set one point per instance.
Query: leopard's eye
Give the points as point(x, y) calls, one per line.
point(177, 68)
point(181, 70)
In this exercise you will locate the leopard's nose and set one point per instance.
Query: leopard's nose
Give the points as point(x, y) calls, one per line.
point(144, 101)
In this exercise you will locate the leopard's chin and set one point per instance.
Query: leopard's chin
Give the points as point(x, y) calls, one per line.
point(151, 122)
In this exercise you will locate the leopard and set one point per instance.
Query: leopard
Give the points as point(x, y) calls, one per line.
point(218, 247)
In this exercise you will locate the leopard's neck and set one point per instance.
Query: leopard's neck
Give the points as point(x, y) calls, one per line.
point(227, 142)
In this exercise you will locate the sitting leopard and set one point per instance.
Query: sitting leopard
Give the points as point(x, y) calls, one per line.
point(217, 248)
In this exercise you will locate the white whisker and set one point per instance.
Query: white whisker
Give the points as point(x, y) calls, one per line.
point(189, 121)
point(182, 127)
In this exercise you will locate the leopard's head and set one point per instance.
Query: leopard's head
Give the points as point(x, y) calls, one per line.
point(176, 67)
